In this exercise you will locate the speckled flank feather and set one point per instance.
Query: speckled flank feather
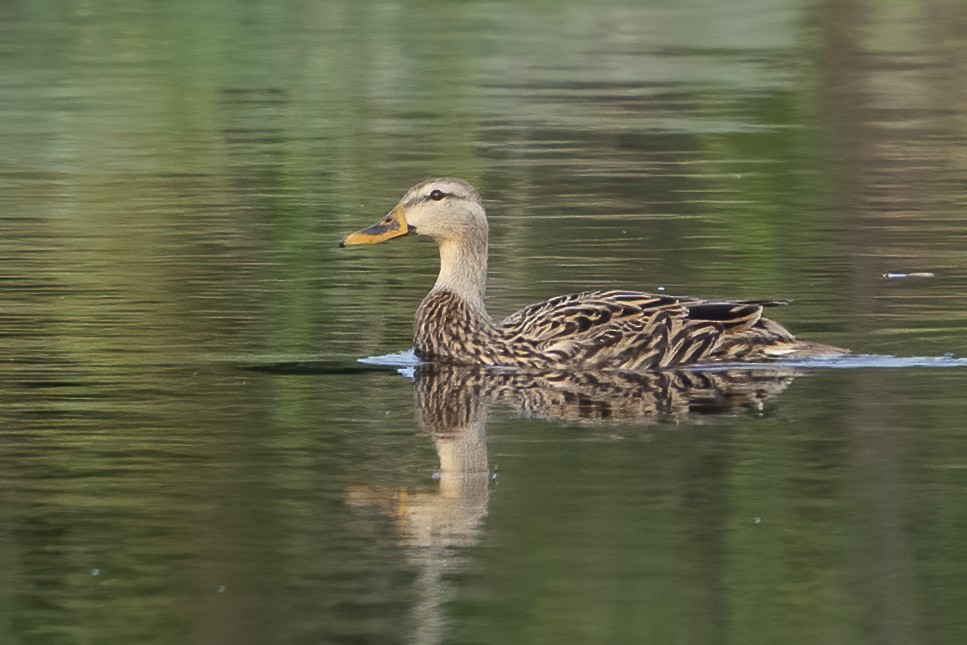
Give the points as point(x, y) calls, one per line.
point(448, 329)
point(601, 330)
point(591, 330)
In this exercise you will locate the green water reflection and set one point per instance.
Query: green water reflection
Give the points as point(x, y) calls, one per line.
point(175, 178)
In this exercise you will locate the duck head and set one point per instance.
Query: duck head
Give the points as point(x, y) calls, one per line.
point(446, 209)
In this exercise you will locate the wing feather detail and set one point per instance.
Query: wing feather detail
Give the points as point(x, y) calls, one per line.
point(630, 328)
point(605, 330)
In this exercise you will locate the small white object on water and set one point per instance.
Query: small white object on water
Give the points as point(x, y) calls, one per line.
point(220, 589)
point(95, 571)
point(905, 276)
point(758, 520)
point(661, 289)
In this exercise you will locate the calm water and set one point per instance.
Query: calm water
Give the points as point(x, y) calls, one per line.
point(191, 452)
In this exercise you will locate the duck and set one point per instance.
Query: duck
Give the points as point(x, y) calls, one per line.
point(590, 330)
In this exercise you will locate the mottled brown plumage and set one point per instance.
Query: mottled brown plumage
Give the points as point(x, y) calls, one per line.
point(450, 398)
point(591, 330)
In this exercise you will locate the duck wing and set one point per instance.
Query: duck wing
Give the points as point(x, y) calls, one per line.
point(627, 329)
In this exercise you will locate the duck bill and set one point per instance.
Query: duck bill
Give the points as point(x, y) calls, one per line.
point(393, 225)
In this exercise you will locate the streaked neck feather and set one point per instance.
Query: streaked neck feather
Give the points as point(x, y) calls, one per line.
point(463, 270)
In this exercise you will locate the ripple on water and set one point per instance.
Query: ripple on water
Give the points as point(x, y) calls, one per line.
point(407, 360)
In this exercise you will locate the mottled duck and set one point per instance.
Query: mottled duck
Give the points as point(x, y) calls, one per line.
point(592, 330)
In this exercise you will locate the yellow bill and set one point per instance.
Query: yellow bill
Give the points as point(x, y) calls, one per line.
point(392, 225)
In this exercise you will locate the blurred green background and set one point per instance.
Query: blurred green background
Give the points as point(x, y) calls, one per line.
point(174, 180)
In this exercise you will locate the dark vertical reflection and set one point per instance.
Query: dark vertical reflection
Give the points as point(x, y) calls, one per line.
point(705, 512)
point(890, 117)
point(886, 575)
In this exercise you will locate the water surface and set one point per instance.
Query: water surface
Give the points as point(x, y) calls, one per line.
point(191, 451)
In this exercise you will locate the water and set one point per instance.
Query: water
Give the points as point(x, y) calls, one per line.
point(193, 453)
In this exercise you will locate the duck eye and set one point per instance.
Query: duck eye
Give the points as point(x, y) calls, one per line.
point(437, 195)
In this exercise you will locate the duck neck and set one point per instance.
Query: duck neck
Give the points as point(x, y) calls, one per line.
point(463, 270)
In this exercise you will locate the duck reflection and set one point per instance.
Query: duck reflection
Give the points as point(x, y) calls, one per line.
point(452, 406)
point(447, 396)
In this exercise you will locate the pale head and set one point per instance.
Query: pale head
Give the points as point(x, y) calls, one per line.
point(448, 210)
point(444, 208)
